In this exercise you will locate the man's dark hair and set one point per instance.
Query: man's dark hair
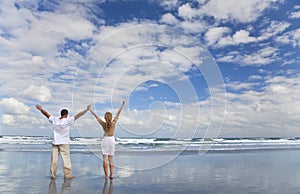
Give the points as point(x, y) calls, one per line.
point(63, 112)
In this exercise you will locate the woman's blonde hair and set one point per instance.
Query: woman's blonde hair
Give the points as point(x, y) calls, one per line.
point(108, 119)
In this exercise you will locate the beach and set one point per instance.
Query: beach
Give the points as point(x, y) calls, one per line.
point(265, 171)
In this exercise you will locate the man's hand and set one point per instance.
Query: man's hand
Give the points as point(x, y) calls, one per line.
point(88, 107)
point(82, 112)
point(40, 108)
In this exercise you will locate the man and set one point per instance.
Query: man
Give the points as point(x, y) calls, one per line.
point(61, 139)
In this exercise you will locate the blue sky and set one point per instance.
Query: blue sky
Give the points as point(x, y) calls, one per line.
point(186, 68)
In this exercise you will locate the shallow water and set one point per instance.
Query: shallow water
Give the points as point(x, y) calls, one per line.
point(242, 172)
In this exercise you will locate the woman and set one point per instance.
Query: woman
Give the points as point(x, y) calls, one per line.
point(108, 141)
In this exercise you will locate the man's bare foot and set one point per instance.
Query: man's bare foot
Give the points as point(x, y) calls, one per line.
point(111, 177)
point(69, 177)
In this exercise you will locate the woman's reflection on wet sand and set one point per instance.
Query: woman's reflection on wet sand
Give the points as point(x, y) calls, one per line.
point(110, 188)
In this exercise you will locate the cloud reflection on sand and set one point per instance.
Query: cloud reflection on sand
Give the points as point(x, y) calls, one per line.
point(7, 171)
point(125, 172)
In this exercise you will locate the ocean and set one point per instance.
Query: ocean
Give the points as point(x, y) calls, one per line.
point(201, 145)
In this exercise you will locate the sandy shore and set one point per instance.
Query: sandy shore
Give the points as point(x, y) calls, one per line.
point(258, 172)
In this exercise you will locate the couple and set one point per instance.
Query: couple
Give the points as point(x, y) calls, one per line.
point(60, 144)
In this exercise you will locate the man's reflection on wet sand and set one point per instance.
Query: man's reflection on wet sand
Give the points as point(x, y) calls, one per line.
point(65, 188)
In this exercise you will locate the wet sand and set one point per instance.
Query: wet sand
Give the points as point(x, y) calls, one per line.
point(243, 172)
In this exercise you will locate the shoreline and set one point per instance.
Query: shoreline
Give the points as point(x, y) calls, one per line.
point(129, 152)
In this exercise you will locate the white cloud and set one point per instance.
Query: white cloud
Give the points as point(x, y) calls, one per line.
point(169, 4)
point(187, 12)
point(261, 57)
point(21, 121)
point(41, 93)
point(216, 36)
point(215, 33)
point(265, 112)
point(242, 36)
point(295, 15)
point(274, 28)
point(159, 121)
point(50, 29)
point(7, 119)
point(292, 37)
point(132, 65)
point(237, 86)
point(249, 113)
point(239, 37)
point(29, 40)
point(168, 18)
point(13, 106)
point(242, 11)
point(41, 32)
point(255, 77)
point(151, 98)
point(193, 26)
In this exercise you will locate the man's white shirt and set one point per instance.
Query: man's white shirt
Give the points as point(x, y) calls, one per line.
point(61, 128)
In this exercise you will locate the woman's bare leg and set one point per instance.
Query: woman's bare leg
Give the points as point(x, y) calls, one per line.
point(105, 165)
point(111, 166)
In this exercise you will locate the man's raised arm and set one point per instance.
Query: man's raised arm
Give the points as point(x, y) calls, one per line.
point(81, 113)
point(40, 108)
